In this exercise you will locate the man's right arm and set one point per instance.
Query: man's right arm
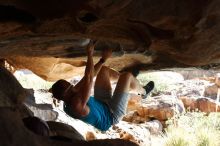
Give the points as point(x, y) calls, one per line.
point(82, 93)
point(87, 83)
point(105, 55)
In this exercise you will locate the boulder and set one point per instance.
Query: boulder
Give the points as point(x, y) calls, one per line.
point(189, 102)
point(25, 111)
point(157, 107)
point(211, 91)
point(207, 106)
point(193, 72)
point(133, 102)
point(36, 125)
point(217, 79)
point(139, 134)
point(14, 132)
point(52, 69)
point(40, 108)
point(191, 88)
point(155, 127)
point(90, 136)
point(12, 93)
point(49, 68)
point(63, 130)
point(43, 111)
point(202, 104)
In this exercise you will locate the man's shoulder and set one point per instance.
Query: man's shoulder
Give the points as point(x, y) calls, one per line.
point(78, 108)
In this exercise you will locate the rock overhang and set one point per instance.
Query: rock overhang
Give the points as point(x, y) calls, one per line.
point(175, 34)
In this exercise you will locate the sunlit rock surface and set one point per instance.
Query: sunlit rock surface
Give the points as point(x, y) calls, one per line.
point(146, 118)
point(202, 95)
point(158, 107)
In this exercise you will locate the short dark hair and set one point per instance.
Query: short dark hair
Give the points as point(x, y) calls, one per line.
point(59, 88)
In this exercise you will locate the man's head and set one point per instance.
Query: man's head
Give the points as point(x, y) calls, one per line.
point(60, 88)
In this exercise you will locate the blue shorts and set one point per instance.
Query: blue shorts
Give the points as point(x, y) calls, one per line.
point(116, 103)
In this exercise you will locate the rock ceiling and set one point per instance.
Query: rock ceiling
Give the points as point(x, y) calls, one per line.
point(151, 33)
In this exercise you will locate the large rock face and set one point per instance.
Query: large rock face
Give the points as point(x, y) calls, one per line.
point(181, 33)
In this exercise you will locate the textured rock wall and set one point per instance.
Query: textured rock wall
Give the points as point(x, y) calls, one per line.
point(181, 33)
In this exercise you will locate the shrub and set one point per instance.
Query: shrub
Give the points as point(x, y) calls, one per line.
point(193, 129)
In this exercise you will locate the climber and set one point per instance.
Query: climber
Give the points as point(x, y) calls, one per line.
point(101, 110)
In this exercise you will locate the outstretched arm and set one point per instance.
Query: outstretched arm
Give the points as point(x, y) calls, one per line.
point(82, 93)
point(105, 55)
point(87, 82)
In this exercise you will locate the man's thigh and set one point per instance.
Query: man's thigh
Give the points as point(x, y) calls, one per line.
point(118, 106)
point(102, 94)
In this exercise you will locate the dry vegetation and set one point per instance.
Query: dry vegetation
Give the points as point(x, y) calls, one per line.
point(193, 129)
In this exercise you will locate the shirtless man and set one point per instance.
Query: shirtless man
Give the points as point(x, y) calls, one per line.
point(101, 110)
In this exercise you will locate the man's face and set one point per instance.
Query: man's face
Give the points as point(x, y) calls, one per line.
point(61, 89)
point(69, 92)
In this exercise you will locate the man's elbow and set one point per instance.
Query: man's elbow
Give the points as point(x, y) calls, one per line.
point(88, 79)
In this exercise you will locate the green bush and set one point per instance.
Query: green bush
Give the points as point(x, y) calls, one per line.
point(176, 137)
point(196, 128)
point(207, 137)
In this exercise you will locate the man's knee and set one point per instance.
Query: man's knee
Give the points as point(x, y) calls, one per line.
point(104, 69)
point(126, 75)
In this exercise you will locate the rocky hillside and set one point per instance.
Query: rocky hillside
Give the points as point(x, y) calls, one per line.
point(145, 120)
